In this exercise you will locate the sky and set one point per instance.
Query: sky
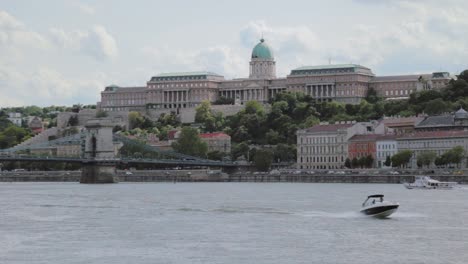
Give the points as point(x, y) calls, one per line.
point(64, 52)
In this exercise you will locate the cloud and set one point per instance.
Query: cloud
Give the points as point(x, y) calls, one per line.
point(219, 59)
point(43, 87)
point(100, 44)
point(85, 8)
point(14, 35)
point(96, 43)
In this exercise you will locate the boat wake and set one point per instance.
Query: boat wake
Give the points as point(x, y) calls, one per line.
point(408, 215)
point(236, 210)
point(322, 214)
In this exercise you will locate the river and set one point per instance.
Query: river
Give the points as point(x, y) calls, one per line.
point(228, 223)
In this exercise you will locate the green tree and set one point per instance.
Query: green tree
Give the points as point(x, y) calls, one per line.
point(135, 119)
point(347, 163)
point(254, 107)
point(369, 161)
point(426, 158)
point(284, 153)
point(101, 113)
point(371, 96)
point(263, 159)
point(240, 149)
point(73, 120)
point(436, 106)
point(454, 155)
point(388, 161)
point(215, 155)
point(402, 158)
point(190, 143)
point(203, 112)
point(354, 163)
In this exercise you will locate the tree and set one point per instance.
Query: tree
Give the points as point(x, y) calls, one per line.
point(369, 161)
point(354, 163)
point(190, 143)
point(426, 158)
point(436, 106)
point(73, 120)
point(362, 162)
point(272, 137)
point(135, 119)
point(101, 113)
point(203, 112)
point(254, 107)
point(284, 153)
point(454, 155)
point(239, 150)
point(263, 159)
point(215, 155)
point(401, 158)
point(388, 161)
point(347, 163)
point(371, 96)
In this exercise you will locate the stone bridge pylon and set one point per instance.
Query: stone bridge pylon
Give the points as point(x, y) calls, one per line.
point(99, 153)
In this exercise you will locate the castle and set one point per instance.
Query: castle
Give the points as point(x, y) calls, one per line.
point(347, 83)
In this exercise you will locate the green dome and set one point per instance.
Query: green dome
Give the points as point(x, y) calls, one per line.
point(262, 51)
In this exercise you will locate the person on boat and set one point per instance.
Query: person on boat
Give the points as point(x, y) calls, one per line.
point(381, 199)
point(373, 201)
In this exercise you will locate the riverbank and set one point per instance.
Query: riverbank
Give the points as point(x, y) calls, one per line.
point(217, 176)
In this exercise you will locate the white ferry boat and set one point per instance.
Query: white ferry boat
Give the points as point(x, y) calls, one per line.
point(425, 182)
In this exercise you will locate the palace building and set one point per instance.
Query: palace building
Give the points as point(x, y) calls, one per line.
point(347, 83)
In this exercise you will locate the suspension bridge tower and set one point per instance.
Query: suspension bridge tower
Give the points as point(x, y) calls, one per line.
point(99, 153)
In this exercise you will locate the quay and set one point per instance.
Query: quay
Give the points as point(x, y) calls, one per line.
point(219, 176)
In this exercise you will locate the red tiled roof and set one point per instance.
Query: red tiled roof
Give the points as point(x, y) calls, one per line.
point(387, 137)
point(328, 128)
point(214, 135)
point(436, 134)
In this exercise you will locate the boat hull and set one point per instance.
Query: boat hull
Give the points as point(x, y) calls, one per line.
point(380, 211)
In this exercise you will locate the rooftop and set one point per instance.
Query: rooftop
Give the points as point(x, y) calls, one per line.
point(328, 128)
point(329, 66)
point(368, 137)
point(214, 135)
point(401, 78)
point(436, 134)
point(179, 74)
point(262, 51)
point(437, 121)
point(115, 88)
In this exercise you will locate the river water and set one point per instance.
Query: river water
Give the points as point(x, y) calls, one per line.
point(228, 223)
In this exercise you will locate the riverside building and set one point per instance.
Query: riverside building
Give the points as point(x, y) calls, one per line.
point(325, 146)
point(347, 83)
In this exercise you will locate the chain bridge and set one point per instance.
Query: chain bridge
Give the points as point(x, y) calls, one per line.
point(101, 151)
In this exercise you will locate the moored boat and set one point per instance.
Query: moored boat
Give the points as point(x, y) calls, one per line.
point(425, 182)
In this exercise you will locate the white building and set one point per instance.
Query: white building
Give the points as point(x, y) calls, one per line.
point(325, 146)
point(386, 146)
point(15, 118)
point(433, 141)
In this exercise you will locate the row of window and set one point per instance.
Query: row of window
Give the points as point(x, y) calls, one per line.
point(180, 78)
point(398, 92)
point(322, 149)
point(386, 146)
point(181, 85)
point(321, 140)
point(321, 159)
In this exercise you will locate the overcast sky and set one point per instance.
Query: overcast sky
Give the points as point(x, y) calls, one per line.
point(58, 52)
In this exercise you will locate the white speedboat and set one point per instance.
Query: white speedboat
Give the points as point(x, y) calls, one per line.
point(425, 182)
point(375, 206)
